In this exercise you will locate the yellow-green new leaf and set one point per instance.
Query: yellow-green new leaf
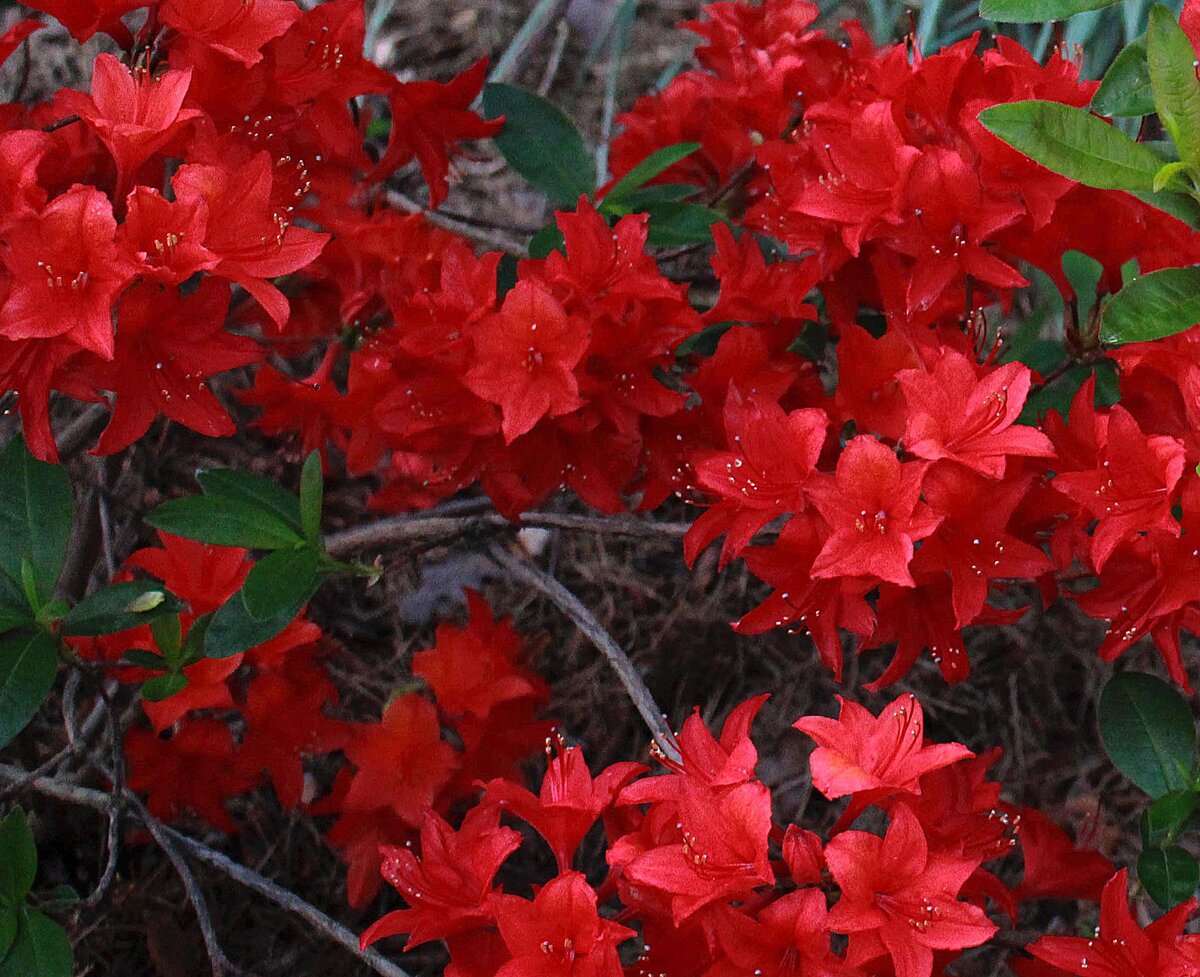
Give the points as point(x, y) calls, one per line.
point(1171, 60)
point(1074, 143)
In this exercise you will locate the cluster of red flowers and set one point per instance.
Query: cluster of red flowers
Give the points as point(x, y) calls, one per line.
point(905, 475)
point(551, 385)
point(207, 158)
point(279, 698)
point(710, 885)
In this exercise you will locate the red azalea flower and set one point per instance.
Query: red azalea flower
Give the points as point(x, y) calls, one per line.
point(873, 508)
point(134, 114)
point(953, 413)
point(525, 358)
point(899, 899)
point(559, 934)
point(1120, 947)
point(449, 883)
point(401, 761)
point(83, 18)
point(569, 802)
point(168, 346)
point(236, 28)
point(861, 752)
point(66, 272)
point(1130, 490)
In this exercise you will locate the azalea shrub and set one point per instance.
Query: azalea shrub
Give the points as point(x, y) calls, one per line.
point(908, 332)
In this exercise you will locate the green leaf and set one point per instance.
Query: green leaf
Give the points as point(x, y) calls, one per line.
point(1170, 57)
point(168, 636)
point(648, 198)
point(681, 225)
point(1159, 304)
point(1146, 727)
point(192, 649)
point(253, 490)
point(541, 143)
point(312, 497)
point(41, 948)
point(9, 921)
point(1126, 91)
point(645, 171)
point(163, 686)
point(548, 239)
point(1181, 206)
point(1084, 273)
point(28, 664)
point(1170, 875)
point(275, 591)
point(1168, 172)
point(120, 607)
point(223, 521)
point(146, 659)
point(1075, 143)
point(1036, 11)
point(280, 580)
point(1165, 818)
point(13, 616)
point(18, 858)
point(36, 509)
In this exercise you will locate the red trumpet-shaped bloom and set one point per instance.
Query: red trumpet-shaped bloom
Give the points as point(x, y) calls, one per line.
point(559, 933)
point(899, 899)
point(954, 413)
point(569, 801)
point(448, 883)
point(134, 114)
point(861, 752)
point(525, 359)
point(66, 272)
point(875, 514)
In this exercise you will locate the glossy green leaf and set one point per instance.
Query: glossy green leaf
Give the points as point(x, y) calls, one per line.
point(312, 497)
point(1170, 875)
point(28, 664)
point(223, 521)
point(1075, 143)
point(646, 199)
point(1036, 11)
point(645, 171)
point(1159, 304)
point(9, 920)
point(163, 686)
point(40, 949)
point(1165, 818)
point(1084, 273)
point(237, 626)
point(119, 607)
point(681, 225)
point(146, 659)
point(36, 509)
point(1146, 727)
point(1170, 57)
point(18, 858)
point(168, 636)
point(1126, 91)
point(280, 580)
point(541, 143)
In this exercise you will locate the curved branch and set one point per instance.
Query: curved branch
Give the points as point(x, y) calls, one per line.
point(99, 801)
point(626, 671)
point(402, 529)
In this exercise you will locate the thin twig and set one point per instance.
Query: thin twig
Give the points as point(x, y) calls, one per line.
point(626, 671)
point(98, 801)
point(80, 429)
point(402, 529)
point(561, 33)
point(543, 14)
point(113, 840)
point(163, 837)
point(488, 238)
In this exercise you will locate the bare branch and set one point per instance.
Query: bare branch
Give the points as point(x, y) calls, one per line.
point(98, 801)
point(626, 671)
point(402, 529)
